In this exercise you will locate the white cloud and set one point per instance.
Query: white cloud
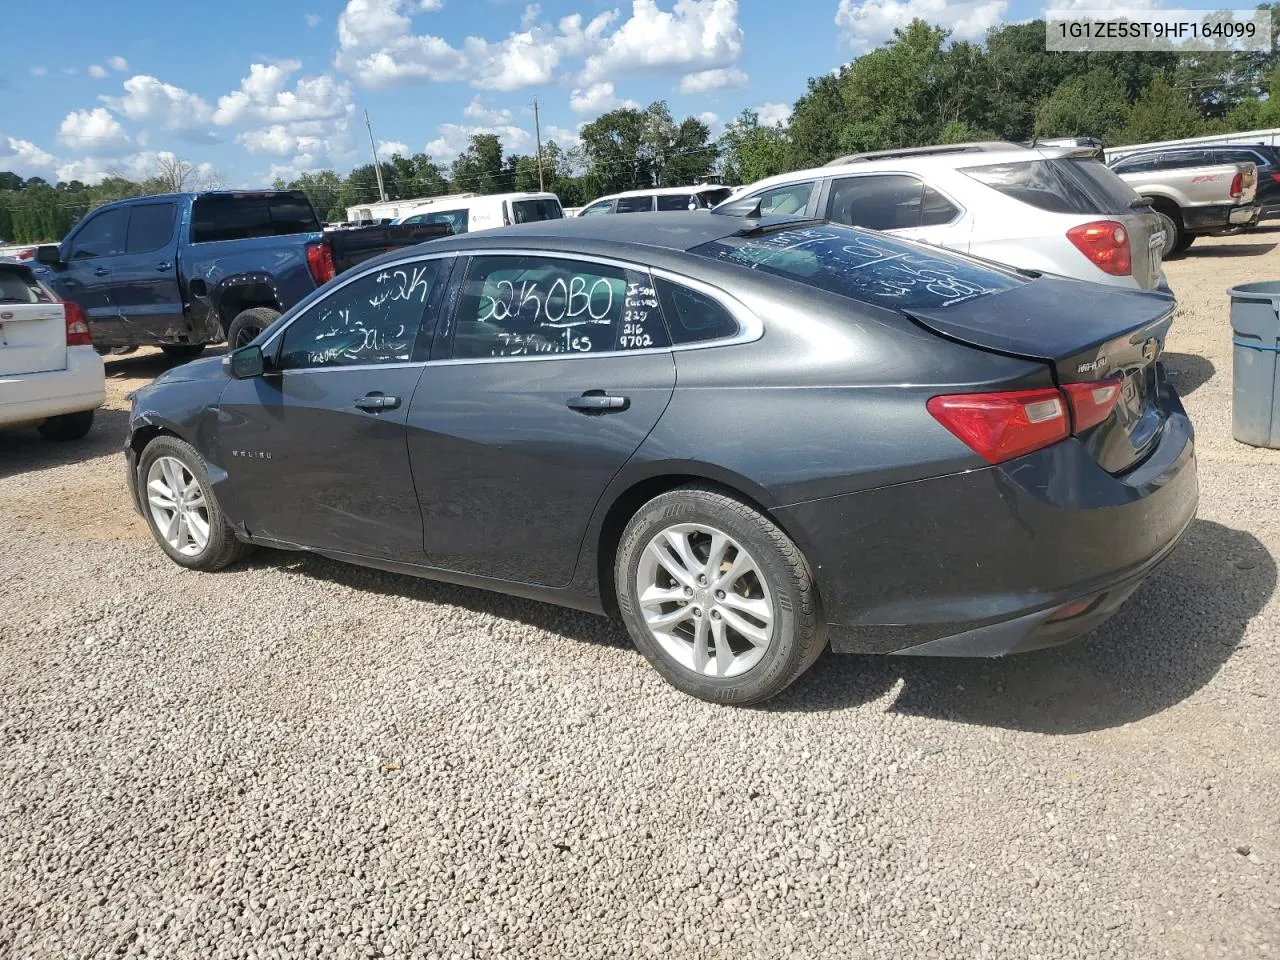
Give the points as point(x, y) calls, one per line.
point(389, 148)
point(565, 138)
point(1102, 4)
point(262, 96)
point(452, 139)
point(148, 98)
point(698, 34)
point(69, 71)
point(486, 116)
point(137, 166)
point(118, 64)
point(278, 140)
point(597, 98)
point(705, 81)
point(39, 71)
point(22, 156)
point(770, 114)
point(865, 23)
point(97, 72)
point(530, 16)
point(313, 19)
point(713, 122)
point(94, 131)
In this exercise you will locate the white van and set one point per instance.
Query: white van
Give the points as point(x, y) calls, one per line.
point(468, 214)
point(701, 197)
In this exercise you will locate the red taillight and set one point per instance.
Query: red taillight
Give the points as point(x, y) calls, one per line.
point(1106, 243)
point(77, 325)
point(1091, 403)
point(25, 254)
point(1237, 185)
point(320, 262)
point(1001, 426)
point(1276, 177)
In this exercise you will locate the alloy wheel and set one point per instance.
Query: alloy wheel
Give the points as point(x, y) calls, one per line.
point(704, 600)
point(178, 506)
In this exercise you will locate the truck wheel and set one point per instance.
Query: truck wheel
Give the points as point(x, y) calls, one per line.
point(1172, 233)
point(69, 426)
point(182, 351)
point(248, 324)
point(1184, 241)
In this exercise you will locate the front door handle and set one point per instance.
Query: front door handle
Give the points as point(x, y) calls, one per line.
point(597, 401)
point(377, 402)
point(101, 272)
point(164, 265)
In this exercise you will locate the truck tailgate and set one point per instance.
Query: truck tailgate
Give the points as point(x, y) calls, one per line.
point(352, 247)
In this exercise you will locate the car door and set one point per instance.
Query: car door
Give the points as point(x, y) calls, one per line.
point(315, 448)
point(556, 370)
point(85, 274)
point(144, 281)
point(899, 203)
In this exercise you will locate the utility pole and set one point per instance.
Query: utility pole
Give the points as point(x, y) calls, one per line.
point(377, 167)
point(537, 132)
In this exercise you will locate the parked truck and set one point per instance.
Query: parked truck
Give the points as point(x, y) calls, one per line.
point(181, 271)
point(1192, 197)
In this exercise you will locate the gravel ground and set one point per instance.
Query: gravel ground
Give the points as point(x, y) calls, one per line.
point(296, 758)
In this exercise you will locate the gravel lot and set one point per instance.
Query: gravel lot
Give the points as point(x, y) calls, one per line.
point(295, 758)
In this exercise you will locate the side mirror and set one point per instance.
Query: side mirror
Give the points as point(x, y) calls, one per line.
point(246, 363)
point(50, 254)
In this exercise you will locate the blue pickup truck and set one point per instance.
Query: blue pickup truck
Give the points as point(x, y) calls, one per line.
point(180, 271)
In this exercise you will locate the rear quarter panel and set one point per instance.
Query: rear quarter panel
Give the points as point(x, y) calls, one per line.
point(278, 263)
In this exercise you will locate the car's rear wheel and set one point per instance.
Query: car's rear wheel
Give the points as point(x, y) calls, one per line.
point(180, 508)
point(717, 597)
point(69, 426)
point(248, 324)
point(182, 351)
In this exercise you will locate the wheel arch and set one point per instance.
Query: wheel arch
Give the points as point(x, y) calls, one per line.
point(628, 494)
point(235, 294)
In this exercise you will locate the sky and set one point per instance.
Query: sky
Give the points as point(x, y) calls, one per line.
point(256, 89)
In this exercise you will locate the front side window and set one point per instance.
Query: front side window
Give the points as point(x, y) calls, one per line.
point(373, 319)
point(102, 236)
point(791, 199)
point(635, 204)
point(150, 227)
point(530, 305)
point(604, 206)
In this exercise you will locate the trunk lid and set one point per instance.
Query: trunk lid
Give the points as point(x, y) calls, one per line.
point(33, 327)
point(1084, 333)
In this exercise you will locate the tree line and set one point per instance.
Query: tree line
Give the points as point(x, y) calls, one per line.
point(918, 88)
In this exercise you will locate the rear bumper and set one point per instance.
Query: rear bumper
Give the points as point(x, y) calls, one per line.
point(1218, 216)
point(31, 397)
point(976, 564)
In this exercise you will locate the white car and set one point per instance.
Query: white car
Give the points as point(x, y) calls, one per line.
point(469, 212)
point(1052, 209)
point(660, 199)
point(50, 375)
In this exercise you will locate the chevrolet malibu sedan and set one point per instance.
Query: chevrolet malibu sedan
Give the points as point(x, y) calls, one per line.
point(749, 439)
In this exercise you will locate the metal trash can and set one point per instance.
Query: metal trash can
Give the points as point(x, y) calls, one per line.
point(1255, 339)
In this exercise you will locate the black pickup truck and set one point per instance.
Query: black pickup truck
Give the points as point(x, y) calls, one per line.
point(180, 271)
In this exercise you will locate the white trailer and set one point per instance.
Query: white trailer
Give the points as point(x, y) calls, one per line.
point(392, 209)
point(1269, 138)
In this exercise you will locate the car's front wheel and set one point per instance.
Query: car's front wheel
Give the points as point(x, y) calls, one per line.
point(180, 508)
point(69, 426)
point(717, 597)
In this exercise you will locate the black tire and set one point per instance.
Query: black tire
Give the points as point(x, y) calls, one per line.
point(182, 351)
point(799, 635)
point(248, 324)
point(222, 548)
point(1184, 242)
point(1172, 223)
point(69, 426)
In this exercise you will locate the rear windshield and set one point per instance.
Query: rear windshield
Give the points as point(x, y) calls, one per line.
point(458, 220)
point(18, 285)
point(1059, 186)
point(237, 216)
point(718, 195)
point(531, 211)
point(862, 265)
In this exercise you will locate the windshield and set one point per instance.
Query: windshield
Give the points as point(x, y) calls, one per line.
point(862, 265)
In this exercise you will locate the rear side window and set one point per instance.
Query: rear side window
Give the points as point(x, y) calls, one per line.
point(102, 236)
point(238, 216)
point(635, 204)
point(677, 201)
point(1239, 156)
point(529, 305)
point(867, 267)
point(531, 211)
point(693, 317)
point(888, 202)
point(1058, 186)
point(1182, 159)
point(150, 226)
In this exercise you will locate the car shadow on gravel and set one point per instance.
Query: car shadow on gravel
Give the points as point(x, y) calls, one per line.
point(1208, 251)
point(1164, 644)
point(149, 364)
point(24, 451)
point(1187, 371)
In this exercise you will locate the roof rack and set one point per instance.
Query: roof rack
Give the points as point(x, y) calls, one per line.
point(977, 146)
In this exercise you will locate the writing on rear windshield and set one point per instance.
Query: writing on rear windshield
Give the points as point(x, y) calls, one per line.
point(864, 266)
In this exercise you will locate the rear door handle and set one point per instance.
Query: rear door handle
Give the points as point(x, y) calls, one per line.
point(101, 272)
point(597, 401)
point(376, 402)
point(164, 265)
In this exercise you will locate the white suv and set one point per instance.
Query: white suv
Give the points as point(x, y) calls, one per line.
point(50, 375)
point(1055, 210)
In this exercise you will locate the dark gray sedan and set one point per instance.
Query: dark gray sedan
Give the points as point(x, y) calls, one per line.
point(751, 439)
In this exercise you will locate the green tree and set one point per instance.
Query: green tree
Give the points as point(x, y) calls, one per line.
point(1090, 105)
point(479, 168)
point(750, 151)
point(816, 119)
point(1161, 113)
point(614, 149)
